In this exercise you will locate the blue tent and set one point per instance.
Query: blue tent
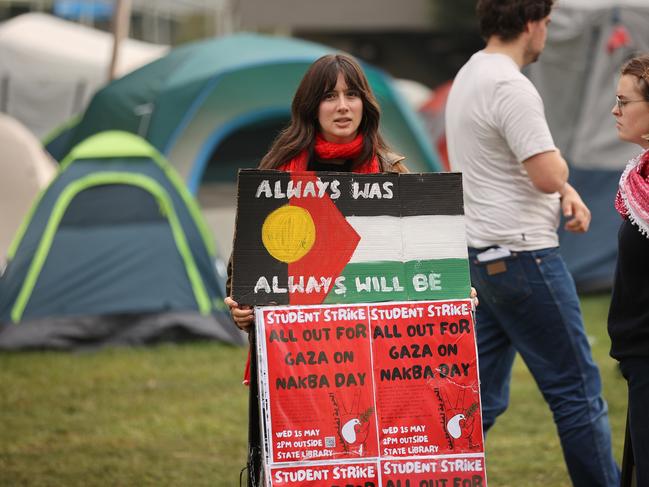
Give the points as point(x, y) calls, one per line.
point(214, 106)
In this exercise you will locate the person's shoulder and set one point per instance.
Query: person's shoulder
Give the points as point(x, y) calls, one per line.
point(392, 162)
point(504, 76)
point(484, 71)
point(515, 85)
point(500, 65)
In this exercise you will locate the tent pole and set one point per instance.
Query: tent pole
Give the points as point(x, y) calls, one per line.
point(121, 24)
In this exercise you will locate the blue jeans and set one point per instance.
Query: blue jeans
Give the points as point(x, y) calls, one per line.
point(636, 372)
point(530, 306)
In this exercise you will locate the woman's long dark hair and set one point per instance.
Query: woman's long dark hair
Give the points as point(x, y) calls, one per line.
point(319, 79)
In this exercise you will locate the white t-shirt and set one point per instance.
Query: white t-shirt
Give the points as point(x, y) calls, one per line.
point(494, 121)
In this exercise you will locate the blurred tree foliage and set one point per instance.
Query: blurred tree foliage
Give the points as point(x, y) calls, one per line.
point(453, 15)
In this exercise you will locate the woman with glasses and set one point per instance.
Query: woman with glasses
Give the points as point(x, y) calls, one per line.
point(628, 319)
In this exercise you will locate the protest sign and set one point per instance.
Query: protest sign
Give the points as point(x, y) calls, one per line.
point(310, 238)
point(384, 393)
point(370, 394)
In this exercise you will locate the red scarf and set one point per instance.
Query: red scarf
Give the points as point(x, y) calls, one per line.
point(632, 199)
point(330, 150)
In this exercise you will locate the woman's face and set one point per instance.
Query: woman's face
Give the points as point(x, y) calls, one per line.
point(340, 113)
point(631, 111)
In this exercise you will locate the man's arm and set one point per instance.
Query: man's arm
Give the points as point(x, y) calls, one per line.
point(574, 210)
point(548, 171)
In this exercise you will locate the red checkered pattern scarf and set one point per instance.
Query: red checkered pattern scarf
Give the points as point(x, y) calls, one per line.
point(632, 200)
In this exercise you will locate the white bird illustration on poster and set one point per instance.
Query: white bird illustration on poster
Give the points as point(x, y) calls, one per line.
point(453, 426)
point(349, 430)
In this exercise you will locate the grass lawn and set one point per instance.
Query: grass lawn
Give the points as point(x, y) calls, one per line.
point(177, 415)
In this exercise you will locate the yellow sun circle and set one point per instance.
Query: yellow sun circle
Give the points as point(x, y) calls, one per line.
point(288, 233)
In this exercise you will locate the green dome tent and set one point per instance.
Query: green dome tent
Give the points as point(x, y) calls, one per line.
point(214, 106)
point(114, 251)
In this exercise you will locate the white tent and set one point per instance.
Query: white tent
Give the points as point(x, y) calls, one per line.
point(49, 68)
point(25, 168)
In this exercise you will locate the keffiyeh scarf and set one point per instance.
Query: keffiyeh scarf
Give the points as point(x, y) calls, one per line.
point(632, 200)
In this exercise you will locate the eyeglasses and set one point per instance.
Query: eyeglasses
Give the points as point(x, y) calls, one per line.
point(620, 103)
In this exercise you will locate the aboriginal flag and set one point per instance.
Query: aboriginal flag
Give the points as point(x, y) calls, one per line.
point(309, 238)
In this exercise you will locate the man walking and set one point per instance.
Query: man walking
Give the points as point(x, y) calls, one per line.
point(515, 186)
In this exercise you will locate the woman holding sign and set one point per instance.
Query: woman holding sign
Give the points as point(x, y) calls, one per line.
point(628, 319)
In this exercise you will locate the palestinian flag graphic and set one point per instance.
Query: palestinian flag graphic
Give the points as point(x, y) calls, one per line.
point(310, 238)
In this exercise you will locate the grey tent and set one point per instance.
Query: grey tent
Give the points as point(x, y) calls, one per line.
point(115, 251)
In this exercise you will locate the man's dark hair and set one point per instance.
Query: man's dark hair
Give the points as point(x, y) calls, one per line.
point(507, 19)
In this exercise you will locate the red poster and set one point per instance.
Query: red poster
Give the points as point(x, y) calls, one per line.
point(425, 352)
point(320, 383)
point(346, 475)
point(386, 385)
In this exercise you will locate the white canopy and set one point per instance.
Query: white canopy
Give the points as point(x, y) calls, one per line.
point(49, 67)
point(25, 168)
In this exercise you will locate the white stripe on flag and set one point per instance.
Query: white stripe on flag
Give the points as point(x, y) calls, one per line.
point(422, 237)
